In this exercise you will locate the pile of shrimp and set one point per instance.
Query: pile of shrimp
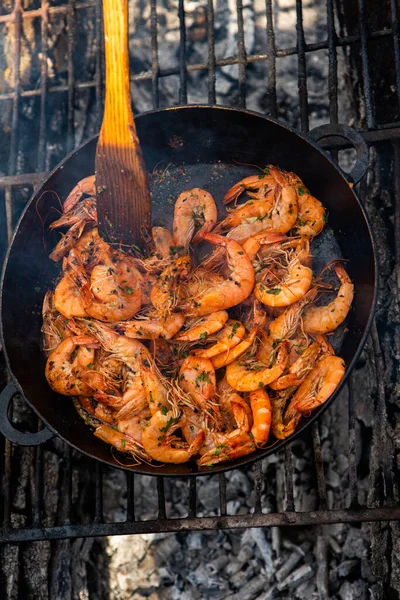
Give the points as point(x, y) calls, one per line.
point(171, 358)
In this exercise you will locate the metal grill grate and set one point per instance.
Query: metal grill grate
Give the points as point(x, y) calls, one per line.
point(18, 182)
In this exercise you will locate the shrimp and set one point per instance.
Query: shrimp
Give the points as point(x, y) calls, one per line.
point(229, 337)
point(229, 292)
point(281, 429)
point(157, 442)
point(134, 425)
point(130, 353)
point(324, 319)
point(231, 354)
point(155, 387)
point(280, 218)
point(197, 378)
point(282, 328)
point(65, 367)
point(261, 410)
point(195, 211)
point(203, 327)
point(82, 215)
point(98, 410)
point(311, 217)
point(166, 291)
point(250, 211)
point(228, 447)
point(122, 442)
point(247, 375)
point(318, 386)
point(291, 289)
point(299, 369)
point(148, 328)
point(112, 293)
point(253, 244)
point(55, 326)
point(163, 241)
point(84, 186)
point(270, 178)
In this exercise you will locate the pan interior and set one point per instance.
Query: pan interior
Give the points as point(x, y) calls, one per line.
point(192, 147)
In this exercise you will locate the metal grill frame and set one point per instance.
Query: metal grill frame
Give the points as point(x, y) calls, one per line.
point(373, 134)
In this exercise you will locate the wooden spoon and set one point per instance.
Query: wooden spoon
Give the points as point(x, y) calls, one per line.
point(123, 196)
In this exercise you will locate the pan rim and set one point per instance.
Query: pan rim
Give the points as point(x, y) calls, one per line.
point(307, 422)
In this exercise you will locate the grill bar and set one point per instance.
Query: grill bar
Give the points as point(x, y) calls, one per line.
point(211, 51)
point(71, 76)
point(365, 64)
point(161, 498)
point(43, 87)
point(155, 67)
point(98, 508)
point(396, 44)
point(301, 67)
point(319, 466)
point(222, 495)
point(289, 474)
point(271, 61)
point(332, 57)
point(352, 447)
point(182, 54)
point(258, 480)
point(241, 56)
point(192, 498)
point(203, 523)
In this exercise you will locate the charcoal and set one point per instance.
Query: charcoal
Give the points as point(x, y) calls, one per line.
point(355, 545)
point(356, 590)
point(250, 590)
point(296, 577)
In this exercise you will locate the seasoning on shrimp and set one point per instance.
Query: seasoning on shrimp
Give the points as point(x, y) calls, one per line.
point(173, 356)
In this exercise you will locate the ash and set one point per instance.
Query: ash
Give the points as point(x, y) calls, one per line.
point(342, 562)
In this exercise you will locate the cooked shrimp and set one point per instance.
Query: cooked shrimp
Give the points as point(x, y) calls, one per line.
point(158, 443)
point(324, 319)
point(163, 241)
point(299, 369)
point(82, 215)
point(247, 375)
point(229, 356)
point(195, 211)
point(261, 409)
point(253, 244)
point(311, 218)
point(282, 328)
point(134, 425)
point(269, 180)
point(289, 290)
point(166, 291)
point(122, 442)
point(318, 386)
point(155, 386)
point(112, 293)
point(84, 186)
point(232, 291)
point(65, 368)
point(197, 378)
point(229, 337)
point(149, 328)
point(248, 212)
point(55, 326)
point(228, 447)
point(280, 429)
point(202, 328)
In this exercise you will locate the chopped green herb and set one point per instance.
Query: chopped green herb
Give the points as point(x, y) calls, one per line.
point(90, 365)
point(123, 444)
point(274, 291)
point(37, 289)
point(164, 410)
point(175, 249)
point(128, 290)
point(203, 335)
point(260, 384)
point(204, 376)
point(300, 191)
point(240, 252)
point(170, 422)
point(326, 216)
point(235, 327)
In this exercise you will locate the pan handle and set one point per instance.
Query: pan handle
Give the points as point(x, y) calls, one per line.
point(355, 139)
point(7, 428)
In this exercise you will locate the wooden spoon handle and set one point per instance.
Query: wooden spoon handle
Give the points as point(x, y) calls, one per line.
point(123, 197)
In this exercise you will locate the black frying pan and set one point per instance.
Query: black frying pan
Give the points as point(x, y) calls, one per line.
point(190, 146)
